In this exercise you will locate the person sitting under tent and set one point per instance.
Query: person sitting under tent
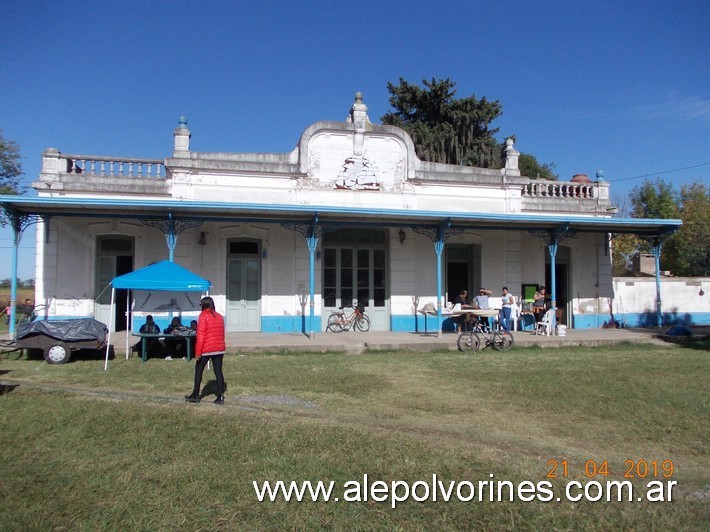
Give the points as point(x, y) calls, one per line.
point(153, 345)
point(175, 346)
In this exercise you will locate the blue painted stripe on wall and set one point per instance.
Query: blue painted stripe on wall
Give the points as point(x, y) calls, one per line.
point(408, 323)
point(419, 323)
point(289, 324)
point(644, 319)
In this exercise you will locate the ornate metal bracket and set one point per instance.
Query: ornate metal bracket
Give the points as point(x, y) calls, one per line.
point(176, 227)
point(555, 236)
point(439, 233)
point(171, 228)
point(20, 222)
point(308, 230)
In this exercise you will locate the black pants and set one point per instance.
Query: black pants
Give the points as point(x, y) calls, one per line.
point(200, 368)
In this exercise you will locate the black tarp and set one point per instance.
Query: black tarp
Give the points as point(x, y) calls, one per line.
point(79, 330)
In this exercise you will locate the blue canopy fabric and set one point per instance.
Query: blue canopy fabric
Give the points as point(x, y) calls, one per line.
point(163, 275)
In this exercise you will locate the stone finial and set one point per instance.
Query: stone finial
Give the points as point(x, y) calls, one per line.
point(181, 138)
point(359, 119)
point(511, 159)
point(358, 112)
point(600, 175)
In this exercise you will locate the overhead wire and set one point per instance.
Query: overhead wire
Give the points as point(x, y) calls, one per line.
point(658, 173)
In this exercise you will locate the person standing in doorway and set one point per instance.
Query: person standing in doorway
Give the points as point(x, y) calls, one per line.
point(507, 303)
point(464, 303)
point(539, 303)
point(481, 302)
point(209, 346)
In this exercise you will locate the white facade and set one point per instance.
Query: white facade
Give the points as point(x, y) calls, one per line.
point(240, 221)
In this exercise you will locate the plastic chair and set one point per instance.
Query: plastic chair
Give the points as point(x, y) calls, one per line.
point(515, 316)
point(544, 326)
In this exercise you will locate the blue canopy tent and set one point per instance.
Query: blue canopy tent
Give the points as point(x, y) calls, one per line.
point(164, 276)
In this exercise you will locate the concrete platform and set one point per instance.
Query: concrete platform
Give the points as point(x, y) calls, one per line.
point(358, 342)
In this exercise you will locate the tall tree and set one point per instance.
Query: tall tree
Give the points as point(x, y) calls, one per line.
point(688, 251)
point(625, 245)
point(530, 167)
point(655, 200)
point(445, 129)
point(10, 167)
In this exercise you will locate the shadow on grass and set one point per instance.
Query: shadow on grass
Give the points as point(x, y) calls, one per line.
point(211, 389)
point(93, 354)
point(7, 388)
point(688, 342)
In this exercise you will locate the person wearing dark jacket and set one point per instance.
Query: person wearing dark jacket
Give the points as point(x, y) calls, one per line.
point(209, 346)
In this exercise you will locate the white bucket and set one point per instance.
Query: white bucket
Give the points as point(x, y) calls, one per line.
point(562, 330)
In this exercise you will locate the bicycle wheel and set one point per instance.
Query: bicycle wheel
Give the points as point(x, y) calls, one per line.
point(502, 340)
point(335, 323)
point(362, 323)
point(468, 341)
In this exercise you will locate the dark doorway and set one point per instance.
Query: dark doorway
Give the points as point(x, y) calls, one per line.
point(463, 269)
point(456, 279)
point(114, 257)
point(124, 265)
point(561, 289)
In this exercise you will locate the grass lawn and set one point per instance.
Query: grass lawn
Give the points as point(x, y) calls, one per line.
point(85, 449)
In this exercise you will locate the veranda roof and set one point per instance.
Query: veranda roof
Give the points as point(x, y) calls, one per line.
point(327, 215)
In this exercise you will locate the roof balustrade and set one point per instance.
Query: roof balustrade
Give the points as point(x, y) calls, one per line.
point(113, 167)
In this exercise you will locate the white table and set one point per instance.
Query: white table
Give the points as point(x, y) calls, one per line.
point(488, 313)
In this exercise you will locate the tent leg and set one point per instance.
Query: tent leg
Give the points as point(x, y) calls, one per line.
point(128, 319)
point(108, 340)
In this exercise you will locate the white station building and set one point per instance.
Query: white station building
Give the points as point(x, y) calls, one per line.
point(350, 215)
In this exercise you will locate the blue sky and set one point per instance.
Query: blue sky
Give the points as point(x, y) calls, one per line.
point(622, 86)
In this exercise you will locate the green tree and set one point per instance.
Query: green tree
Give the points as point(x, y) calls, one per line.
point(530, 167)
point(655, 200)
point(10, 167)
point(625, 245)
point(10, 172)
point(688, 251)
point(445, 129)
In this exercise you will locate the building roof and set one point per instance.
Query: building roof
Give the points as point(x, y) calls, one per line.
point(326, 215)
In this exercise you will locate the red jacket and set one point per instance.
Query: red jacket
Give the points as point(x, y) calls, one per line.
point(210, 333)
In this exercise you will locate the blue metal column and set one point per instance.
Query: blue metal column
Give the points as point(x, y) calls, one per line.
point(438, 248)
point(552, 240)
point(310, 232)
point(171, 228)
point(312, 242)
point(552, 248)
point(19, 223)
point(438, 236)
point(13, 280)
point(171, 237)
point(656, 248)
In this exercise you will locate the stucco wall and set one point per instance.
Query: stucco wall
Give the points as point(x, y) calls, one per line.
point(681, 301)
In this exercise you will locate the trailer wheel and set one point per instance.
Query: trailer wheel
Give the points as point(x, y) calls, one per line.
point(57, 354)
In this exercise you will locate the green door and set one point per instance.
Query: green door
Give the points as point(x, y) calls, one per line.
point(243, 294)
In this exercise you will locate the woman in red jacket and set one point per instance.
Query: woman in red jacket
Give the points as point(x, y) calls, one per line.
point(210, 345)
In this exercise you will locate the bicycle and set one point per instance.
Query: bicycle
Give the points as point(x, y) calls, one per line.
point(339, 322)
point(470, 340)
